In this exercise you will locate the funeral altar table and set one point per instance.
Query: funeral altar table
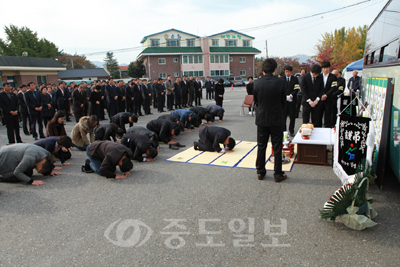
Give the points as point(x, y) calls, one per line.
point(313, 150)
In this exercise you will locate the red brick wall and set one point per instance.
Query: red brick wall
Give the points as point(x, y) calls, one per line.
point(28, 78)
point(52, 79)
point(236, 66)
point(170, 67)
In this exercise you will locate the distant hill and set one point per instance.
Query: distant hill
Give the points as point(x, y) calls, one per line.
point(302, 58)
point(100, 64)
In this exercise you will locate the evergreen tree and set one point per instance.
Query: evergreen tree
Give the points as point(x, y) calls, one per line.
point(112, 65)
point(136, 69)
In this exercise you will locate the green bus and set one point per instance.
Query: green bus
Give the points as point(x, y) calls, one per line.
point(381, 79)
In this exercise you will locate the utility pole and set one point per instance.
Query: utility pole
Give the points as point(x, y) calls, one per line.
point(266, 49)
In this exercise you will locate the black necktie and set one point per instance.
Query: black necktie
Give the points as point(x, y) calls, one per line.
point(313, 81)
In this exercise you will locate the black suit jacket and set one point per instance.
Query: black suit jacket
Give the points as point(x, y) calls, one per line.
point(23, 108)
point(311, 90)
point(46, 111)
point(269, 98)
point(331, 86)
point(129, 94)
point(61, 98)
point(215, 135)
point(33, 102)
point(8, 104)
point(78, 99)
point(292, 88)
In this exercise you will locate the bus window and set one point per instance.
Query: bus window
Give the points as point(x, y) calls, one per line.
point(391, 52)
point(381, 53)
point(366, 59)
point(372, 57)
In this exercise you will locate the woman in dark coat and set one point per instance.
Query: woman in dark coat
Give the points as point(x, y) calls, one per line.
point(47, 106)
point(95, 100)
point(219, 92)
point(55, 127)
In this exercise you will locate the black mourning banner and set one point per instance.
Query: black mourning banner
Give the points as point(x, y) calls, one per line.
point(344, 102)
point(353, 132)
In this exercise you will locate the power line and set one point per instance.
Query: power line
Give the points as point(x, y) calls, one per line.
point(306, 17)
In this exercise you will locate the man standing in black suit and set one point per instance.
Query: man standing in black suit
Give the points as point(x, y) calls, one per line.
point(34, 103)
point(312, 86)
point(147, 92)
point(137, 98)
point(269, 98)
point(9, 104)
point(184, 86)
point(129, 97)
point(79, 102)
point(198, 91)
point(328, 98)
point(23, 110)
point(112, 97)
point(160, 95)
point(191, 90)
point(62, 98)
point(291, 88)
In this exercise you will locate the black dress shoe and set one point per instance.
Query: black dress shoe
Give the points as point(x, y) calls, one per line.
point(35, 138)
point(196, 145)
point(172, 146)
point(260, 176)
point(281, 178)
point(179, 145)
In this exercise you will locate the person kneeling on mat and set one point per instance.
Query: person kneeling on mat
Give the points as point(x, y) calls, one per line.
point(105, 156)
point(211, 137)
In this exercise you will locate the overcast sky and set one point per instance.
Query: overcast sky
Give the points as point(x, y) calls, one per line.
point(97, 26)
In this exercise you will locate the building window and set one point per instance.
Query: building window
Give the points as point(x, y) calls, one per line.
point(242, 60)
point(214, 42)
point(219, 72)
point(230, 59)
point(246, 43)
point(219, 58)
point(242, 73)
point(161, 61)
point(190, 42)
point(41, 79)
point(231, 73)
point(176, 74)
point(192, 59)
point(172, 43)
point(193, 73)
point(163, 75)
point(229, 43)
point(155, 43)
point(13, 81)
point(175, 59)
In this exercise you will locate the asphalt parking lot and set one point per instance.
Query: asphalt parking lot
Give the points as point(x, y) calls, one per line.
point(177, 214)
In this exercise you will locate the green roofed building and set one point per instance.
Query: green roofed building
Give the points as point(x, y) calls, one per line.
point(178, 53)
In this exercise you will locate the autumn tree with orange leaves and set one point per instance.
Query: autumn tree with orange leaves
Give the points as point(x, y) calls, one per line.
point(342, 46)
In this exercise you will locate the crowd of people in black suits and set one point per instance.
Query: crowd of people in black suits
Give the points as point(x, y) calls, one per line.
point(48, 107)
